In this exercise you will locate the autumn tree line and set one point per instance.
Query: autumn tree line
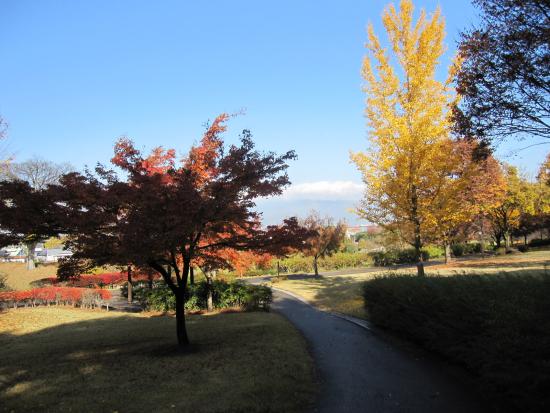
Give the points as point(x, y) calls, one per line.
point(429, 172)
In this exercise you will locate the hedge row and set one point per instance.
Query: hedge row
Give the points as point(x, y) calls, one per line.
point(83, 297)
point(497, 326)
point(537, 242)
point(337, 261)
point(225, 295)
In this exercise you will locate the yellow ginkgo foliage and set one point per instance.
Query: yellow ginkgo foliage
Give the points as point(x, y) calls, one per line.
point(410, 165)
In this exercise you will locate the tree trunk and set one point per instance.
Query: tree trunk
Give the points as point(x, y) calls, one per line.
point(482, 247)
point(192, 275)
point(130, 286)
point(210, 294)
point(278, 268)
point(498, 239)
point(448, 257)
point(525, 239)
point(31, 246)
point(315, 266)
point(507, 241)
point(181, 331)
point(417, 232)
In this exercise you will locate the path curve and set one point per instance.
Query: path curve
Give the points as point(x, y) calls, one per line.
point(360, 372)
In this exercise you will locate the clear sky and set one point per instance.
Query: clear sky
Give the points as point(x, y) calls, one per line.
point(75, 75)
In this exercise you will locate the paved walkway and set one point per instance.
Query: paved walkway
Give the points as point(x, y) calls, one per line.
point(360, 372)
point(120, 303)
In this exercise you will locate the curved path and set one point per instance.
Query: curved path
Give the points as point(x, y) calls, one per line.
point(360, 372)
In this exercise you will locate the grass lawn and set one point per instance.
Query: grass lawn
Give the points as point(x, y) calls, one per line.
point(63, 359)
point(19, 278)
point(344, 294)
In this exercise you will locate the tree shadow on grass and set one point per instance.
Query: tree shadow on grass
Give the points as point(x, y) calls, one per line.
point(133, 364)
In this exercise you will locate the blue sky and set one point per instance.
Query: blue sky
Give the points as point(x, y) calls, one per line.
point(77, 75)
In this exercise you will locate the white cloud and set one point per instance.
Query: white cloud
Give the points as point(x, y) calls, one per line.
point(325, 190)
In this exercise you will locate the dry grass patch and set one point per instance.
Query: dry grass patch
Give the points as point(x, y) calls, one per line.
point(341, 294)
point(19, 278)
point(62, 359)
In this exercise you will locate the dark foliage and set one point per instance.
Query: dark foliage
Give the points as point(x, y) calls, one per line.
point(225, 295)
point(498, 327)
point(537, 242)
point(28, 215)
point(505, 77)
point(395, 257)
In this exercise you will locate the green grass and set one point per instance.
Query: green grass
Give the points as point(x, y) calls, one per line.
point(344, 293)
point(60, 359)
point(497, 326)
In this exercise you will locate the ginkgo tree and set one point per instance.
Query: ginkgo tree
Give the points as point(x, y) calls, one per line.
point(409, 165)
point(519, 199)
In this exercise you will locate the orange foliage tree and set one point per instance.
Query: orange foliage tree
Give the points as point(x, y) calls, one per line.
point(173, 214)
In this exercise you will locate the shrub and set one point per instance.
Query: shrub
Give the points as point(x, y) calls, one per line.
point(501, 251)
point(458, 250)
point(225, 295)
point(297, 263)
point(85, 297)
point(395, 257)
point(537, 242)
point(433, 251)
point(523, 248)
point(340, 260)
point(497, 326)
point(351, 248)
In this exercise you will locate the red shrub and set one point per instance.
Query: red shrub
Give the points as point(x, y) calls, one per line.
point(48, 295)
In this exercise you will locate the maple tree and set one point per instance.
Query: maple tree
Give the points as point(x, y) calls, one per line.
point(327, 237)
point(170, 214)
point(473, 188)
point(410, 156)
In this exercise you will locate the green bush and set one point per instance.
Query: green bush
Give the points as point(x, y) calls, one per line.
point(297, 263)
point(341, 260)
point(537, 242)
point(224, 295)
point(351, 248)
point(395, 257)
point(497, 326)
point(338, 261)
point(433, 251)
point(523, 248)
point(458, 250)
